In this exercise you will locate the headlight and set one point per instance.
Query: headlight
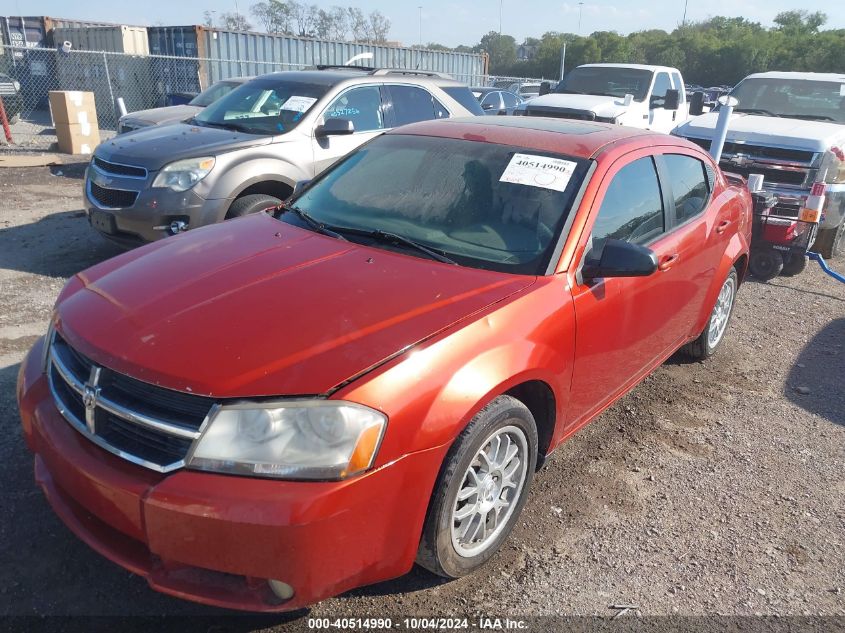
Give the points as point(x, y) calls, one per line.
point(304, 439)
point(832, 169)
point(184, 174)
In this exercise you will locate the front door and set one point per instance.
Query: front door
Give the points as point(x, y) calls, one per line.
point(363, 106)
point(625, 326)
point(659, 118)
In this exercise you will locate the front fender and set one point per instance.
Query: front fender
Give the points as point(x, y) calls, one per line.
point(431, 392)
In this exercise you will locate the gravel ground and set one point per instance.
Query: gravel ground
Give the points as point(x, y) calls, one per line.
point(713, 488)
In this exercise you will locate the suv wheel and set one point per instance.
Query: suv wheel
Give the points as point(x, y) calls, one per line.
point(252, 203)
point(482, 487)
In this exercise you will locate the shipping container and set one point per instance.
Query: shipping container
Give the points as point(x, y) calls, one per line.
point(116, 39)
point(32, 66)
point(171, 73)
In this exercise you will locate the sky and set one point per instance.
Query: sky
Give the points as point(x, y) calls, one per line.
point(452, 22)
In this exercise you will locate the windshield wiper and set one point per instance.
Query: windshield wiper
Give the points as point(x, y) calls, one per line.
point(233, 127)
point(393, 238)
point(756, 111)
point(809, 117)
point(312, 222)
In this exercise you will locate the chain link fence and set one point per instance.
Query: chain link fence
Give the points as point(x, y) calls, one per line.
point(27, 75)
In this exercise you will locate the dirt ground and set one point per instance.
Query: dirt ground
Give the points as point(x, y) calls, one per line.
point(713, 488)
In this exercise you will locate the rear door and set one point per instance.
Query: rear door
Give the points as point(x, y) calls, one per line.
point(363, 105)
point(625, 326)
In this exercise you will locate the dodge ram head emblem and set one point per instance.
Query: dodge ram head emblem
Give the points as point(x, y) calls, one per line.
point(90, 395)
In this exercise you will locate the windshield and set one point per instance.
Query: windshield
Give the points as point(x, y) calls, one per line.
point(212, 94)
point(792, 98)
point(263, 106)
point(496, 207)
point(609, 81)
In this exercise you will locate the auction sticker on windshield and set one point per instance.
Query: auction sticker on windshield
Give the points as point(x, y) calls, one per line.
point(298, 104)
point(538, 171)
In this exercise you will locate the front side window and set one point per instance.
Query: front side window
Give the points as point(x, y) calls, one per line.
point(412, 104)
point(491, 101)
point(632, 209)
point(689, 185)
point(497, 207)
point(262, 106)
point(511, 100)
point(361, 105)
point(662, 84)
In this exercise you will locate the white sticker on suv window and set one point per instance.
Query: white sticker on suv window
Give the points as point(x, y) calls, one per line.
point(298, 104)
point(539, 171)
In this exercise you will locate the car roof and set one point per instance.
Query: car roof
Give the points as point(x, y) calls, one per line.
point(582, 139)
point(637, 66)
point(333, 76)
point(799, 75)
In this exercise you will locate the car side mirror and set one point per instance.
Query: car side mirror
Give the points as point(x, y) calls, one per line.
point(545, 88)
point(299, 186)
point(335, 127)
point(696, 104)
point(621, 259)
point(487, 106)
point(672, 100)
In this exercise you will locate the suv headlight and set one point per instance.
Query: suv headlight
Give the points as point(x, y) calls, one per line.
point(832, 169)
point(184, 174)
point(302, 439)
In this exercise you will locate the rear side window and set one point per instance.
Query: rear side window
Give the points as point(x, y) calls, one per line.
point(632, 209)
point(412, 104)
point(690, 186)
point(462, 95)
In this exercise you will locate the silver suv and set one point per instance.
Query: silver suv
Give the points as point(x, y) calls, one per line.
point(247, 151)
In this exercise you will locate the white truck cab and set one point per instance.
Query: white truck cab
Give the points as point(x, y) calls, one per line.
point(789, 127)
point(636, 95)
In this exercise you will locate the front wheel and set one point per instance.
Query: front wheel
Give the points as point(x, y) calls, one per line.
point(481, 490)
point(250, 204)
point(830, 243)
point(708, 341)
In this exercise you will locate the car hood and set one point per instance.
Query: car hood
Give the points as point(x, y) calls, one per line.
point(154, 147)
point(606, 107)
point(256, 307)
point(158, 116)
point(812, 136)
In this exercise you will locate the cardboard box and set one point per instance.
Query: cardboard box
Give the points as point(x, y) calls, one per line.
point(77, 138)
point(73, 107)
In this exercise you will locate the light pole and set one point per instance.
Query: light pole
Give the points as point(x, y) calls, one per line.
point(684, 21)
point(580, 7)
point(501, 2)
point(420, 8)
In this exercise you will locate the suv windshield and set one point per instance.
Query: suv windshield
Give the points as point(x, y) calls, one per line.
point(213, 93)
point(792, 98)
point(497, 207)
point(263, 106)
point(609, 81)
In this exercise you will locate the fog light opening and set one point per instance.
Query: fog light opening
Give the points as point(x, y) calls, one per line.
point(282, 590)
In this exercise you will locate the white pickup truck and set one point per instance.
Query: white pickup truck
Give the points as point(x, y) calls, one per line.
point(790, 127)
point(650, 97)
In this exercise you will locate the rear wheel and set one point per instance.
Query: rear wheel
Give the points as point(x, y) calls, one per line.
point(765, 264)
point(830, 243)
point(252, 203)
point(794, 265)
point(708, 341)
point(481, 490)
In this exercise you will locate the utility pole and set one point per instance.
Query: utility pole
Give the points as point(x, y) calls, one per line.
point(684, 21)
point(501, 2)
point(580, 7)
point(420, 8)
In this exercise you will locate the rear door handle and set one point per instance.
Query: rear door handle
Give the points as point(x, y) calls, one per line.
point(668, 262)
point(723, 226)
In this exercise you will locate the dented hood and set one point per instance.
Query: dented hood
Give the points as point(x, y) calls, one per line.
point(257, 307)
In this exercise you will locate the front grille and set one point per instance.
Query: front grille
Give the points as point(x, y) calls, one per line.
point(761, 152)
point(112, 198)
point(141, 422)
point(772, 176)
point(116, 169)
point(560, 113)
point(8, 89)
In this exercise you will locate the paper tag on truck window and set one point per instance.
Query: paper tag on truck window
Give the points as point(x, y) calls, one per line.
point(538, 171)
point(298, 104)
point(842, 90)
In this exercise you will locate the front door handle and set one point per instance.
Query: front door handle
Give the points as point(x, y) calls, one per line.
point(667, 262)
point(723, 226)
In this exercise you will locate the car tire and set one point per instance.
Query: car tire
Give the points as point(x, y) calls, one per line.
point(253, 203)
point(765, 264)
point(794, 265)
point(481, 489)
point(714, 332)
point(830, 243)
